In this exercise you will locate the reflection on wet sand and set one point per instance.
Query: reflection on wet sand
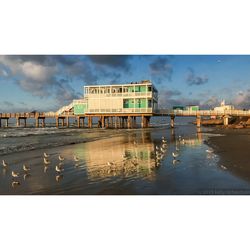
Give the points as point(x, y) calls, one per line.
point(120, 157)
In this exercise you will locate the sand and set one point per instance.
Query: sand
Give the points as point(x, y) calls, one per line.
point(233, 149)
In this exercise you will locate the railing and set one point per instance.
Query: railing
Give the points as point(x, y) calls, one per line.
point(126, 94)
point(122, 110)
point(203, 112)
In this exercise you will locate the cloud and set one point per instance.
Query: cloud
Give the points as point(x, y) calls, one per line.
point(161, 69)
point(170, 93)
point(113, 61)
point(9, 104)
point(38, 75)
point(242, 99)
point(193, 79)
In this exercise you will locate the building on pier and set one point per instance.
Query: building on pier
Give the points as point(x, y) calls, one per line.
point(133, 98)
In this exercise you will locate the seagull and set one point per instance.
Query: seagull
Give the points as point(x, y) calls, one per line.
point(60, 158)
point(76, 158)
point(5, 164)
point(163, 150)
point(157, 148)
point(223, 167)
point(45, 155)
point(164, 140)
point(210, 151)
point(14, 174)
point(46, 161)
point(175, 154)
point(58, 169)
point(134, 163)
point(25, 168)
point(110, 163)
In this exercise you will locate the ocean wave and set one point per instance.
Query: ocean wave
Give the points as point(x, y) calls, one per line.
point(32, 132)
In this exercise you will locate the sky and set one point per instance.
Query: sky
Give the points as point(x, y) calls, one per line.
point(47, 82)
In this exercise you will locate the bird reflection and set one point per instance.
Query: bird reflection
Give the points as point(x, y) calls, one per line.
point(4, 171)
point(15, 184)
point(175, 161)
point(26, 176)
point(59, 177)
point(45, 169)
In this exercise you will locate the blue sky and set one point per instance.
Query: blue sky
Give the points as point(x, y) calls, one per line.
point(46, 82)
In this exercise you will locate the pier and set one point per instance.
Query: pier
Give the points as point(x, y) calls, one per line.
point(115, 120)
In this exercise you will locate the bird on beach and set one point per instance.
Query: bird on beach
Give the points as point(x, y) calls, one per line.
point(45, 155)
point(14, 174)
point(223, 167)
point(175, 154)
point(163, 150)
point(164, 141)
point(46, 161)
point(5, 165)
point(60, 158)
point(25, 168)
point(76, 158)
point(109, 163)
point(58, 169)
point(210, 151)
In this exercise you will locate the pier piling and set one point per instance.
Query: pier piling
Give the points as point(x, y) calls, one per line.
point(172, 117)
point(198, 121)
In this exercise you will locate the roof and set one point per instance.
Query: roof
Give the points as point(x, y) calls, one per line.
point(122, 84)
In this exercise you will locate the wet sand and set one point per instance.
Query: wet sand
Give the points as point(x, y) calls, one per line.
point(233, 149)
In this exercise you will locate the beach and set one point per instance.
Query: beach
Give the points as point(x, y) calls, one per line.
point(126, 161)
point(233, 148)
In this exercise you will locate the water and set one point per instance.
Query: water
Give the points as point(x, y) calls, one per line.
point(114, 162)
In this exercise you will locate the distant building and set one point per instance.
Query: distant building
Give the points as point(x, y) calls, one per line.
point(178, 107)
point(223, 107)
point(192, 108)
point(135, 97)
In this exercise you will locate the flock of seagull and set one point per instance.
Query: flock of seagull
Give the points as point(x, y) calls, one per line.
point(26, 170)
point(160, 152)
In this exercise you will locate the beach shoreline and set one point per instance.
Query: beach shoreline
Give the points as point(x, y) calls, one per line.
point(232, 147)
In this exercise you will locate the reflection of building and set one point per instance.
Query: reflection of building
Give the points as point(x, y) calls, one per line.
point(223, 107)
point(117, 156)
point(135, 97)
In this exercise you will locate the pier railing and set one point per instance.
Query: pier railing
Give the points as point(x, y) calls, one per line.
point(234, 112)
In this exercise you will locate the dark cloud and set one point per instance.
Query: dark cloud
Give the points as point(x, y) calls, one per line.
point(64, 92)
point(113, 61)
point(170, 93)
point(161, 69)
point(38, 74)
point(193, 79)
point(9, 104)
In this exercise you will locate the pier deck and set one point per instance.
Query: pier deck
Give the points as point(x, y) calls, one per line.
point(116, 120)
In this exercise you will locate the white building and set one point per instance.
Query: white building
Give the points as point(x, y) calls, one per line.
point(223, 107)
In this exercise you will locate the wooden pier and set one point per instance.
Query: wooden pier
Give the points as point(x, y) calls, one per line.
point(114, 120)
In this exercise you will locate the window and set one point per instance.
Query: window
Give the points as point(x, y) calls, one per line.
point(149, 88)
